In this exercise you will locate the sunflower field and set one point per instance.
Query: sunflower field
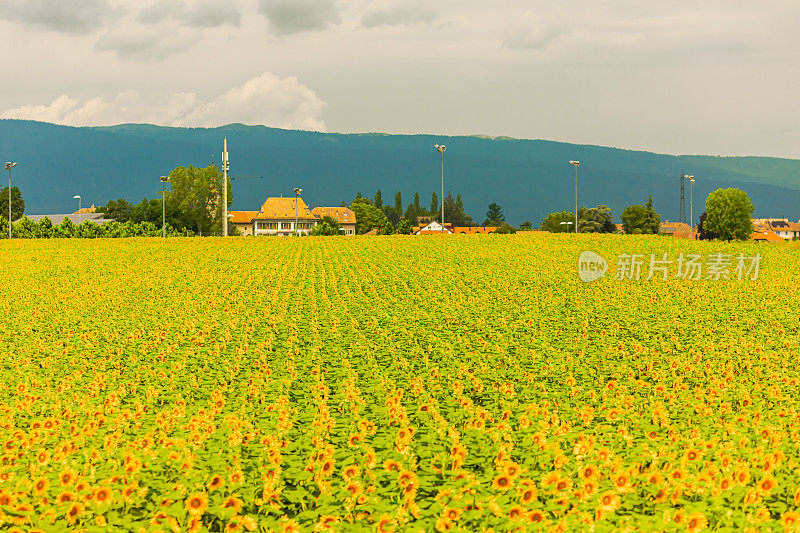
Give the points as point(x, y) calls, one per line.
point(394, 384)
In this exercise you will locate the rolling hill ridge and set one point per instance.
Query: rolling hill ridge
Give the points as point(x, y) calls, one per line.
point(528, 178)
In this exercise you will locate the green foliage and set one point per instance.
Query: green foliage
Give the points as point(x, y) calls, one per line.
point(703, 233)
point(505, 229)
point(378, 201)
point(729, 214)
point(494, 216)
point(326, 226)
point(526, 226)
point(45, 229)
point(404, 227)
point(120, 210)
point(368, 217)
point(398, 202)
point(553, 222)
point(596, 220)
point(454, 211)
point(195, 193)
point(17, 203)
point(641, 219)
point(434, 204)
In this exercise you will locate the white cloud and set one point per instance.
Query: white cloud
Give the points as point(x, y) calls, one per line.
point(69, 16)
point(294, 16)
point(532, 32)
point(266, 100)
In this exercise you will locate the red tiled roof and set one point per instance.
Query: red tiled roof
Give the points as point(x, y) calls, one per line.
point(242, 217)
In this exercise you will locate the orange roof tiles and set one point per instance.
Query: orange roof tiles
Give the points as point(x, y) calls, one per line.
point(283, 209)
point(768, 236)
point(343, 215)
point(242, 217)
point(474, 230)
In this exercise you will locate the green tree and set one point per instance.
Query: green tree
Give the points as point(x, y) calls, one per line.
point(326, 226)
point(434, 205)
point(66, 229)
point(505, 228)
point(454, 211)
point(702, 232)
point(46, 228)
point(494, 216)
point(196, 193)
point(596, 220)
point(641, 219)
point(17, 204)
point(526, 226)
point(553, 222)
point(119, 210)
point(411, 214)
point(378, 202)
point(398, 203)
point(404, 227)
point(416, 202)
point(729, 214)
point(368, 217)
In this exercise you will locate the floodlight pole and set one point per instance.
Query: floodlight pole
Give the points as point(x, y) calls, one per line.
point(576, 164)
point(297, 192)
point(9, 166)
point(691, 207)
point(80, 215)
point(225, 168)
point(441, 149)
point(164, 180)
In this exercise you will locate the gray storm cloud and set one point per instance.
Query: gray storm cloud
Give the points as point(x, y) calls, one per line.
point(294, 16)
point(70, 16)
point(198, 14)
point(398, 15)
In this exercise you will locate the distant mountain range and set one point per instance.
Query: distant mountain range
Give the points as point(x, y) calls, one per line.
point(528, 178)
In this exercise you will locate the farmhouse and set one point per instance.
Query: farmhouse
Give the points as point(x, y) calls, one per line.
point(277, 217)
point(676, 229)
point(344, 215)
point(433, 228)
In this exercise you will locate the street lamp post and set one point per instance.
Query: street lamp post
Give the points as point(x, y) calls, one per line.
point(691, 207)
point(9, 166)
point(441, 148)
point(576, 164)
point(297, 193)
point(164, 180)
point(80, 215)
point(226, 166)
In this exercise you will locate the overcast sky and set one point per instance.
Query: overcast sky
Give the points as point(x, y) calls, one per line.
point(685, 76)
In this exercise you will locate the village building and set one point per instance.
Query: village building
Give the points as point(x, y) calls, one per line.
point(474, 230)
point(344, 215)
point(243, 220)
point(277, 216)
point(433, 228)
point(680, 230)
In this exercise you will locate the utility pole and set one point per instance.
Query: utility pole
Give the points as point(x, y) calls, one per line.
point(225, 168)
